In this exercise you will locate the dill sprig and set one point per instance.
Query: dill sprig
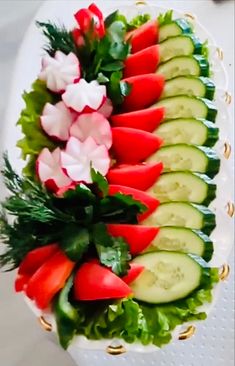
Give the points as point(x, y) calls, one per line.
point(41, 217)
point(58, 38)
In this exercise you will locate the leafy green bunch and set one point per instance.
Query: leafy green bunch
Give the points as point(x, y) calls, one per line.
point(101, 59)
point(76, 220)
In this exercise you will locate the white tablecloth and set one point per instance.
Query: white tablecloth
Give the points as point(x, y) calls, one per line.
point(22, 342)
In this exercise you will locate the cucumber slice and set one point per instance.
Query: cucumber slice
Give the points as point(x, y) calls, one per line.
point(183, 214)
point(184, 106)
point(194, 65)
point(168, 276)
point(182, 45)
point(190, 131)
point(175, 28)
point(181, 239)
point(184, 186)
point(189, 85)
point(178, 157)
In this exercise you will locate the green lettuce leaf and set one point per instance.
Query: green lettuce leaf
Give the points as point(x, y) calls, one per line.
point(34, 139)
point(165, 18)
point(136, 321)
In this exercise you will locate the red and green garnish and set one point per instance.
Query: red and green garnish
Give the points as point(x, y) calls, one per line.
point(77, 231)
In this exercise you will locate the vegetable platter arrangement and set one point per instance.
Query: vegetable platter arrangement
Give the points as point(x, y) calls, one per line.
point(108, 224)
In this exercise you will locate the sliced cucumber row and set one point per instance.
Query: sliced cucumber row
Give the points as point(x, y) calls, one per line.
point(194, 65)
point(184, 240)
point(175, 28)
point(183, 214)
point(185, 187)
point(188, 107)
point(181, 157)
point(168, 276)
point(189, 85)
point(188, 131)
point(182, 45)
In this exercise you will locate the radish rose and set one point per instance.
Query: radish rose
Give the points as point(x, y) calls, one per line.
point(60, 71)
point(79, 157)
point(49, 170)
point(56, 120)
point(84, 96)
point(94, 125)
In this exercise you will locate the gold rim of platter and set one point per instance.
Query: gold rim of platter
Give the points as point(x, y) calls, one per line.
point(115, 351)
point(224, 273)
point(230, 209)
point(45, 324)
point(189, 15)
point(220, 53)
point(227, 150)
point(141, 2)
point(228, 97)
point(188, 333)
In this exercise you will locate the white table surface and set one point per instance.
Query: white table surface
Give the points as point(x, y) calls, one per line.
point(22, 342)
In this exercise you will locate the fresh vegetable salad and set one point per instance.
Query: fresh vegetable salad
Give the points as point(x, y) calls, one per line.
point(111, 225)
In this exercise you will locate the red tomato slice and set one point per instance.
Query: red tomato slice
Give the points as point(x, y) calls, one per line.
point(135, 270)
point(95, 282)
point(20, 282)
point(144, 36)
point(49, 279)
point(36, 258)
point(145, 91)
point(133, 146)
point(30, 264)
point(140, 176)
point(150, 202)
point(138, 237)
point(145, 119)
point(136, 63)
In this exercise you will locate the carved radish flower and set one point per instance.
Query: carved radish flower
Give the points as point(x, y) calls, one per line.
point(60, 71)
point(56, 120)
point(106, 109)
point(49, 171)
point(94, 125)
point(79, 157)
point(84, 96)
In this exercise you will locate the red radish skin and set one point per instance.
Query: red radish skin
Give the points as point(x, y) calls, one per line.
point(133, 146)
point(138, 237)
point(140, 176)
point(150, 202)
point(145, 119)
point(144, 36)
point(134, 272)
point(95, 282)
point(143, 62)
point(145, 91)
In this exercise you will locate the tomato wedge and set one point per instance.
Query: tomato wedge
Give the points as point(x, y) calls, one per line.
point(144, 119)
point(136, 63)
point(138, 237)
point(140, 176)
point(49, 279)
point(150, 202)
point(145, 91)
point(134, 271)
point(133, 146)
point(144, 36)
point(32, 261)
point(95, 282)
